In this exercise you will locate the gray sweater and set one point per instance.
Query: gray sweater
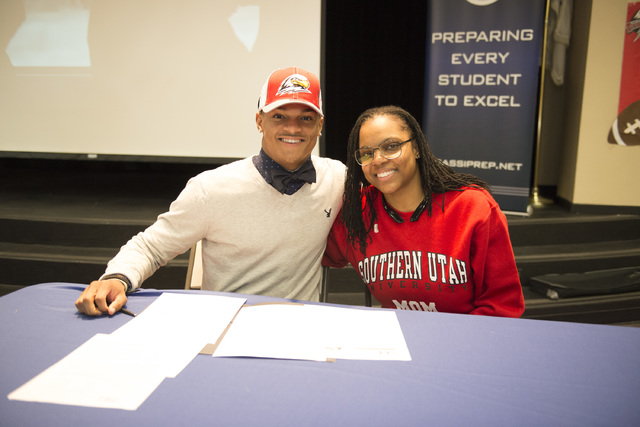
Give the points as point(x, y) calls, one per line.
point(254, 239)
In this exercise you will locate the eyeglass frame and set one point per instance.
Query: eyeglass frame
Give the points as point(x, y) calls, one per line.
point(373, 151)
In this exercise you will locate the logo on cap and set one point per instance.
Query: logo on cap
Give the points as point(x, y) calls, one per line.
point(295, 83)
point(290, 85)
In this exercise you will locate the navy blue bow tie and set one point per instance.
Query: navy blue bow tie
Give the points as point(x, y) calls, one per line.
point(280, 178)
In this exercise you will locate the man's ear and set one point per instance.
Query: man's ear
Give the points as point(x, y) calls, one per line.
point(259, 122)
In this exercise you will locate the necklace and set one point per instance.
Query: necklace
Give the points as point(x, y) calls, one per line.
point(397, 218)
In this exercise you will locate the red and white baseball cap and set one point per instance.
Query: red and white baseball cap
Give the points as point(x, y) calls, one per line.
point(291, 86)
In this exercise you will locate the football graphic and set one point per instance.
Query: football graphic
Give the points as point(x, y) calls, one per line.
point(626, 128)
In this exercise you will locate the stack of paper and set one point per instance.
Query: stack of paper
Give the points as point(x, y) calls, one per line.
point(156, 344)
point(162, 340)
point(314, 332)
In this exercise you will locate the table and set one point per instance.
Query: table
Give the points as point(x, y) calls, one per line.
point(465, 370)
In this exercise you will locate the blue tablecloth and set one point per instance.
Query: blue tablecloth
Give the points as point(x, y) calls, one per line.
point(466, 370)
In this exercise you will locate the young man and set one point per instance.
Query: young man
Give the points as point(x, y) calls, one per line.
point(263, 220)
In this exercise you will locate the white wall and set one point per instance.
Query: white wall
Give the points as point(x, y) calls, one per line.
point(145, 77)
point(595, 172)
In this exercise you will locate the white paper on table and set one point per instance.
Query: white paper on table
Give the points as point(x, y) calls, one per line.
point(314, 332)
point(178, 316)
point(103, 372)
point(122, 369)
point(181, 324)
point(271, 331)
point(348, 333)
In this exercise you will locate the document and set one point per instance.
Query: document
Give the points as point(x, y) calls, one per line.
point(184, 323)
point(360, 333)
point(75, 380)
point(272, 331)
point(314, 332)
point(170, 332)
point(156, 344)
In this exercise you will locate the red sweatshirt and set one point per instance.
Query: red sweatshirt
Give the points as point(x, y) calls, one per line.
point(456, 261)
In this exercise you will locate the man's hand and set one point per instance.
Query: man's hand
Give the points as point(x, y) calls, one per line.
point(102, 296)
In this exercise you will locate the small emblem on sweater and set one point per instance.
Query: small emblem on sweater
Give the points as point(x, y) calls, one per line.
point(328, 213)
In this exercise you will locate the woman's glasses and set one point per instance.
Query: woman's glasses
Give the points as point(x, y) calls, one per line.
point(389, 150)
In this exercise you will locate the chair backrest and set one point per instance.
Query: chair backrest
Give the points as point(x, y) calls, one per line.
point(324, 290)
point(194, 272)
point(324, 293)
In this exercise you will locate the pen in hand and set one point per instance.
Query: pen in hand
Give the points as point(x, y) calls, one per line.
point(127, 312)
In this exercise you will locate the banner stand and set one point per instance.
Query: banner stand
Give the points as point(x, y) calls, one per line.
point(535, 199)
point(482, 91)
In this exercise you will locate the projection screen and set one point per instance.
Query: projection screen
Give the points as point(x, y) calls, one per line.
point(145, 78)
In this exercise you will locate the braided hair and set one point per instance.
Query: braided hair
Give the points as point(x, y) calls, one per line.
point(435, 176)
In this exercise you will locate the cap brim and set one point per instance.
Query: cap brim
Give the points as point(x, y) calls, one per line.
point(280, 103)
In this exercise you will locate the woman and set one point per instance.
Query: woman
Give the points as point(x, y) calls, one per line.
point(421, 236)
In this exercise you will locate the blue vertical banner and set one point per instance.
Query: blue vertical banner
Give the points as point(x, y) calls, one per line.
point(481, 93)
